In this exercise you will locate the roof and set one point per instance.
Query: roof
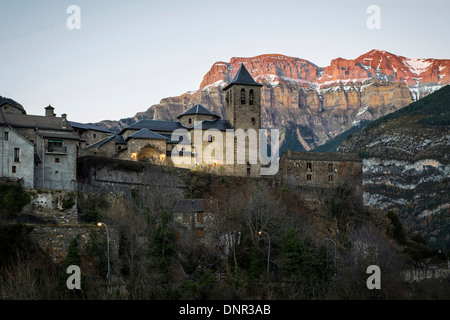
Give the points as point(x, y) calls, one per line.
point(100, 143)
point(243, 77)
point(184, 139)
point(120, 139)
point(218, 124)
point(154, 125)
point(40, 122)
point(322, 156)
point(193, 205)
point(58, 135)
point(88, 126)
point(144, 133)
point(198, 109)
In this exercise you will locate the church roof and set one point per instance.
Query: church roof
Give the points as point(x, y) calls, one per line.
point(154, 125)
point(198, 109)
point(243, 77)
point(221, 125)
point(146, 134)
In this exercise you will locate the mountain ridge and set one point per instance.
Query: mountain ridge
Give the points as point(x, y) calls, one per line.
point(317, 102)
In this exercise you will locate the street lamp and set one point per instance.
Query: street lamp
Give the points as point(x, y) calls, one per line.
point(335, 268)
point(107, 240)
point(268, 251)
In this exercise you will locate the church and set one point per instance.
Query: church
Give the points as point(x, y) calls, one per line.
point(199, 138)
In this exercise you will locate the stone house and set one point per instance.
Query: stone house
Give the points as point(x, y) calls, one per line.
point(40, 150)
point(89, 133)
point(194, 219)
point(318, 171)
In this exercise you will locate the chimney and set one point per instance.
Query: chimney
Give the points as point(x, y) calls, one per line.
point(289, 153)
point(64, 121)
point(49, 111)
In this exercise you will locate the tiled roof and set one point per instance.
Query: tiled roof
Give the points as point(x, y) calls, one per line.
point(40, 122)
point(218, 124)
point(194, 205)
point(58, 134)
point(88, 126)
point(100, 143)
point(198, 109)
point(154, 125)
point(322, 156)
point(243, 77)
point(146, 134)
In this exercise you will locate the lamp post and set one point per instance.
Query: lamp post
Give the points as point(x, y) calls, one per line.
point(335, 268)
point(107, 240)
point(268, 251)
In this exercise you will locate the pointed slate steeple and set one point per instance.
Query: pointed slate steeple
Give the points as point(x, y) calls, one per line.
point(243, 77)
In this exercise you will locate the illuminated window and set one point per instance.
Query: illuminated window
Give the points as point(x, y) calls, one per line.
point(134, 155)
point(200, 217)
point(185, 217)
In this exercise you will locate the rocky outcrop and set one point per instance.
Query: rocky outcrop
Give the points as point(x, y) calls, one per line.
point(406, 164)
point(327, 100)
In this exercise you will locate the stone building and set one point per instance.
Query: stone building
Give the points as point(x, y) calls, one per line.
point(194, 218)
point(315, 171)
point(199, 137)
point(39, 150)
point(89, 133)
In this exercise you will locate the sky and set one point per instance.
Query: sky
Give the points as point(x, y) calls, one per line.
point(126, 55)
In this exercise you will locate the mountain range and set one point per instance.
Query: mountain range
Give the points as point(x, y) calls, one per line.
point(308, 103)
point(406, 164)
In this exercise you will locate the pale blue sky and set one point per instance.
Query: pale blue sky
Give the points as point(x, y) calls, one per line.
point(129, 54)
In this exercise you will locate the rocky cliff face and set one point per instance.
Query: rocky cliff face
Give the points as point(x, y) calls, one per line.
point(325, 100)
point(406, 164)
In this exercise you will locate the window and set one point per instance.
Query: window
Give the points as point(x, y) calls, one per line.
point(248, 169)
point(6, 136)
point(210, 138)
point(95, 135)
point(57, 160)
point(13, 169)
point(200, 233)
point(189, 120)
point(200, 217)
point(185, 217)
point(16, 155)
point(250, 97)
point(330, 178)
point(330, 167)
point(309, 166)
point(253, 120)
point(55, 146)
point(308, 177)
point(242, 96)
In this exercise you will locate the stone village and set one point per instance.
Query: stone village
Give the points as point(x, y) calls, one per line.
point(45, 152)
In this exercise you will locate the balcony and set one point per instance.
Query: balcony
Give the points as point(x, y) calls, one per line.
point(56, 149)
